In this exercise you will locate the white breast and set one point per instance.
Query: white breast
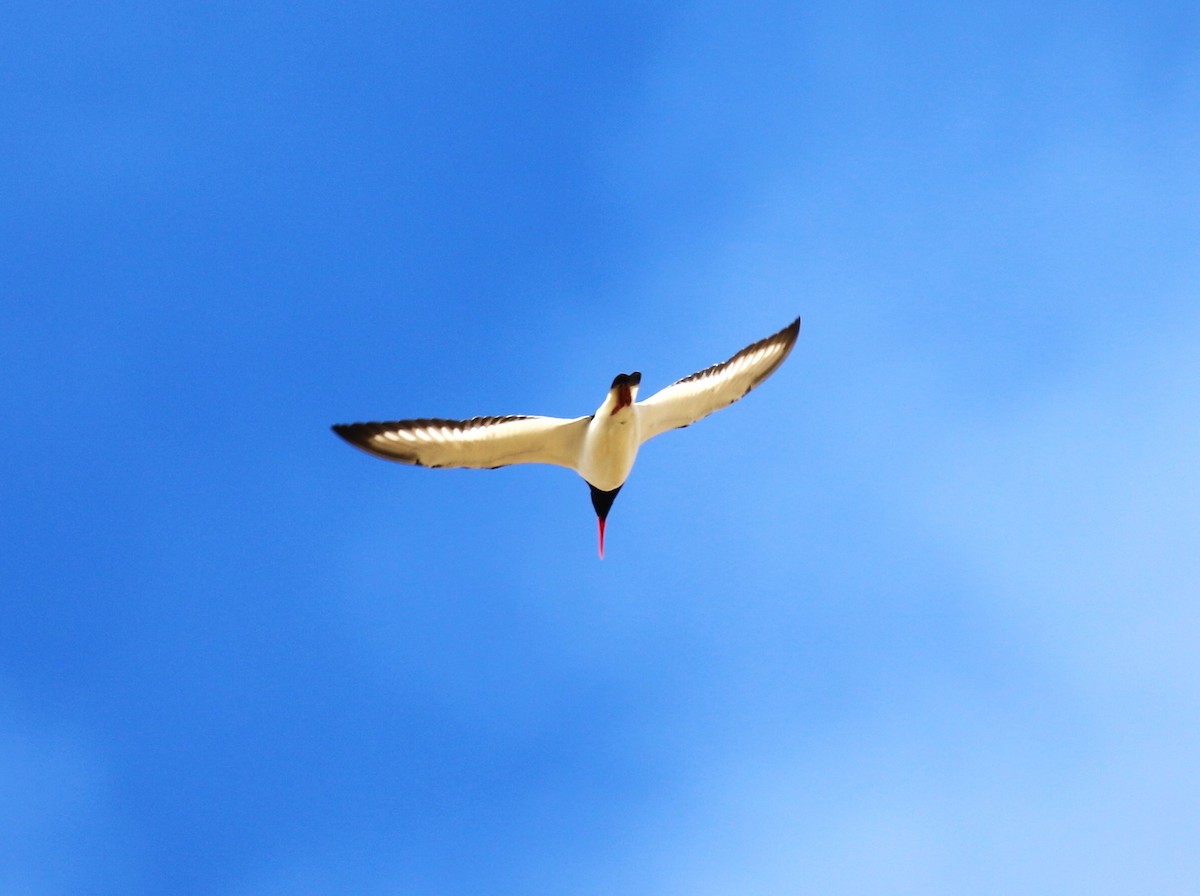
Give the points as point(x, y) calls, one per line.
point(610, 448)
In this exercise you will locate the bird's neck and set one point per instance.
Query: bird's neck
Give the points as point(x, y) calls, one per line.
point(618, 404)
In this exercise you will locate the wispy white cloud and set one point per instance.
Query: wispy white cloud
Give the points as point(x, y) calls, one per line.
point(1079, 509)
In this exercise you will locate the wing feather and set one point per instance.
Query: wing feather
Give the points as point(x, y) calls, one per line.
point(695, 397)
point(478, 443)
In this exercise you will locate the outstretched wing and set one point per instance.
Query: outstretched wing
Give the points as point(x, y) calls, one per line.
point(695, 397)
point(478, 443)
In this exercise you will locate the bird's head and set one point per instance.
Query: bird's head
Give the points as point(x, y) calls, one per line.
point(623, 392)
point(603, 502)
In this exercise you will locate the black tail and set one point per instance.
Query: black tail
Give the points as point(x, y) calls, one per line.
point(603, 501)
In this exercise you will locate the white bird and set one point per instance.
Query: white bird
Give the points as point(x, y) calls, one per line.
point(600, 447)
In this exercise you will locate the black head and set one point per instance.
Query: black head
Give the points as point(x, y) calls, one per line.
point(624, 387)
point(633, 380)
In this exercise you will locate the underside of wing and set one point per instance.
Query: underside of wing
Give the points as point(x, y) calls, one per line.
point(695, 397)
point(478, 443)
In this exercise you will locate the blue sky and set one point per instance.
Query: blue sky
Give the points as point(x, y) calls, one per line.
point(919, 616)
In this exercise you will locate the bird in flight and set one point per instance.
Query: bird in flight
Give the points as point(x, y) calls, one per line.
point(600, 447)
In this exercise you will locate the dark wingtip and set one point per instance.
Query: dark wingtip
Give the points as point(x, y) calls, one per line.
point(789, 333)
point(345, 431)
point(355, 435)
point(359, 436)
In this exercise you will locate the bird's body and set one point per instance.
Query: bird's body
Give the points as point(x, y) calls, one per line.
point(601, 447)
point(611, 438)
